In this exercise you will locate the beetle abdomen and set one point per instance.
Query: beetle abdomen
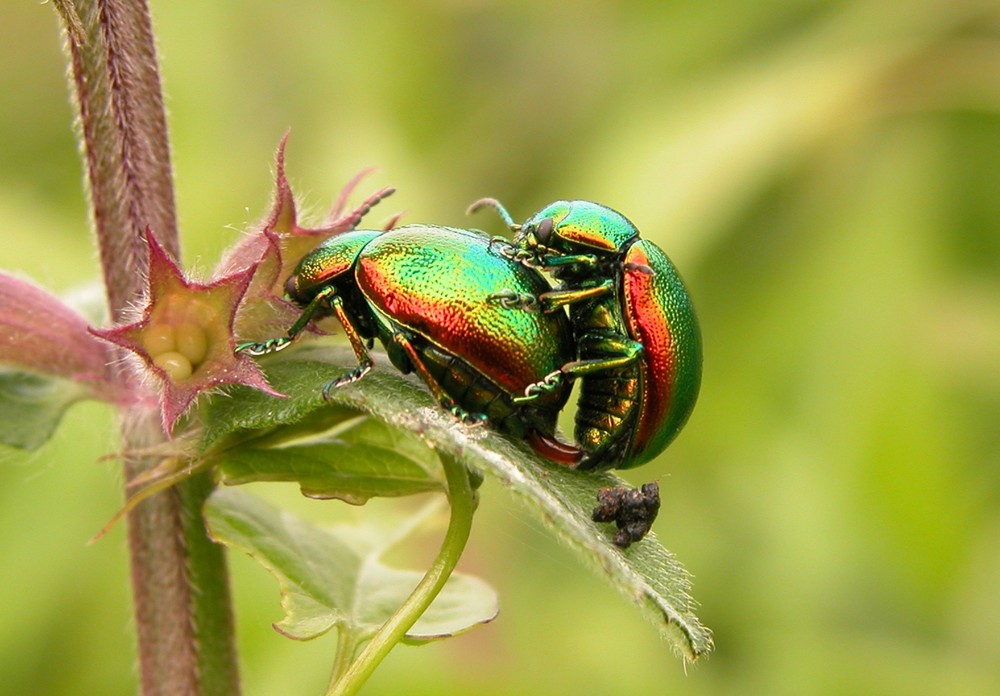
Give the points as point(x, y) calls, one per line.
point(476, 393)
point(606, 411)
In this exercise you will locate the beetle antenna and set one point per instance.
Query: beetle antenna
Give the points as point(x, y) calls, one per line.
point(497, 206)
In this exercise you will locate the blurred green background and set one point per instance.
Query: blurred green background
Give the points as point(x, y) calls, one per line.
point(826, 174)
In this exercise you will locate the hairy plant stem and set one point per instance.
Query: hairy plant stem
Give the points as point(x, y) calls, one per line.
point(462, 499)
point(179, 578)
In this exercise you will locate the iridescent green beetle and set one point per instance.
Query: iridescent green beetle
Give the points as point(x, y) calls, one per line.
point(636, 333)
point(428, 294)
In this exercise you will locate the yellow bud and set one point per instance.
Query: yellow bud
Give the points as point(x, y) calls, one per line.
point(177, 366)
point(159, 338)
point(192, 343)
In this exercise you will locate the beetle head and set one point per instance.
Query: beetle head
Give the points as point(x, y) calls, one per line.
point(575, 227)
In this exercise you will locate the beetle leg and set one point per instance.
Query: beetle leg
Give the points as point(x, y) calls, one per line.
point(618, 350)
point(503, 246)
point(508, 299)
point(512, 252)
point(445, 401)
point(365, 362)
point(550, 383)
point(273, 345)
point(556, 299)
point(550, 301)
point(546, 261)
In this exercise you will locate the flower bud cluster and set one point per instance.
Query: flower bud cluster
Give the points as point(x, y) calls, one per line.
point(186, 332)
point(177, 350)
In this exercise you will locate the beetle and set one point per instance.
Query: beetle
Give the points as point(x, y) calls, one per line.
point(428, 294)
point(636, 332)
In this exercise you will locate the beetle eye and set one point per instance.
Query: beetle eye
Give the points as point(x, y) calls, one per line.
point(544, 231)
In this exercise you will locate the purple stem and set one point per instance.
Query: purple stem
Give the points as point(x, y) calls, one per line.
point(179, 577)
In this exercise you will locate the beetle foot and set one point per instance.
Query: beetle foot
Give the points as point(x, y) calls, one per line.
point(271, 345)
point(467, 418)
point(472, 420)
point(633, 511)
point(503, 246)
point(349, 378)
point(512, 252)
point(551, 382)
point(508, 299)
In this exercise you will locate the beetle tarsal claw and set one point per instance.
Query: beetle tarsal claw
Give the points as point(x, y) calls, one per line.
point(511, 251)
point(272, 345)
point(551, 382)
point(349, 378)
point(506, 248)
point(508, 299)
point(528, 259)
point(472, 420)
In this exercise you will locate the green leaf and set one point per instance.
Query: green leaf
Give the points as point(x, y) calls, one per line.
point(362, 460)
point(646, 573)
point(253, 414)
point(334, 577)
point(31, 407)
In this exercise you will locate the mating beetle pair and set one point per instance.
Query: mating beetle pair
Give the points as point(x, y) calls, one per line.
point(491, 338)
point(635, 330)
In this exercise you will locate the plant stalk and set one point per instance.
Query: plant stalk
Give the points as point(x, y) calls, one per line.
point(179, 577)
point(462, 500)
point(347, 646)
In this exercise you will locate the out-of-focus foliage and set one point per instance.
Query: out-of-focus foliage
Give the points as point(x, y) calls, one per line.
point(825, 174)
